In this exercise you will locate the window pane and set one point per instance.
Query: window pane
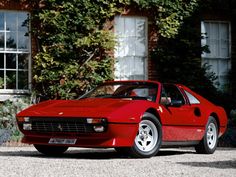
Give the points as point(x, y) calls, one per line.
point(22, 22)
point(1, 21)
point(192, 99)
point(129, 46)
point(140, 46)
point(1, 60)
point(129, 26)
point(23, 61)
point(23, 40)
point(223, 67)
point(1, 79)
point(23, 80)
point(11, 21)
point(11, 40)
point(138, 66)
point(173, 93)
point(119, 29)
point(1, 41)
point(10, 61)
point(224, 40)
point(141, 27)
point(11, 80)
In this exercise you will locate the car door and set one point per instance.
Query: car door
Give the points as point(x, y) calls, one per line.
point(180, 115)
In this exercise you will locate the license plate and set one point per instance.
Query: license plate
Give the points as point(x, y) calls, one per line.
point(62, 141)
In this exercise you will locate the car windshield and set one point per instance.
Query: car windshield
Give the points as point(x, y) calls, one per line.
point(125, 90)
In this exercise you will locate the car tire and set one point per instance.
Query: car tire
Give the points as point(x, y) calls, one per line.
point(149, 137)
point(209, 142)
point(50, 150)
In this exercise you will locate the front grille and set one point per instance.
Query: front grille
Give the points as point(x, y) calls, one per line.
point(59, 126)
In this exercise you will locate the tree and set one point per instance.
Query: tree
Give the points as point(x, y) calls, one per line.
point(178, 59)
point(74, 43)
point(73, 46)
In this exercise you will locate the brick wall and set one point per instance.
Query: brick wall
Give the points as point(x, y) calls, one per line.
point(14, 5)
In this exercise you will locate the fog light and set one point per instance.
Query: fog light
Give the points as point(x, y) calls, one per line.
point(27, 126)
point(99, 128)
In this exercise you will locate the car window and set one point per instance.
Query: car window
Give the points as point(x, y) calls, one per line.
point(171, 93)
point(124, 90)
point(192, 99)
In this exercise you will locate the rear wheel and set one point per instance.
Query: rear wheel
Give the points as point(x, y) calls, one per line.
point(209, 142)
point(148, 140)
point(51, 150)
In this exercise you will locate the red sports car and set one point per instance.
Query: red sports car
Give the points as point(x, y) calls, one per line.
point(134, 117)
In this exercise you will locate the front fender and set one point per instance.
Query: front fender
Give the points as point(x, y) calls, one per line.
point(131, 113)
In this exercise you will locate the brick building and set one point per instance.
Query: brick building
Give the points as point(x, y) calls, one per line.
point(136, 37)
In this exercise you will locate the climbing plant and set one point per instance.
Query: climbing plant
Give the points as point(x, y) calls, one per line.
point(74, 40)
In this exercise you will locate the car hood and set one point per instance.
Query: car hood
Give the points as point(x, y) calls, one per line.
point(96, 107)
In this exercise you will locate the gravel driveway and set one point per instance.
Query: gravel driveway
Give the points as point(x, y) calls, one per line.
point(26, 161)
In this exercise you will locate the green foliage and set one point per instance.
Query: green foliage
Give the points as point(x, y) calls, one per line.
point(178, 59)
point(73, 42)
point(168, 15)
point(8, 111)
point(73, 46)
point(1, 83)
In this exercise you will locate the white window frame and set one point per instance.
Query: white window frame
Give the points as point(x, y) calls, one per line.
point(218, 58)
point(5, 51)
point(145, 67)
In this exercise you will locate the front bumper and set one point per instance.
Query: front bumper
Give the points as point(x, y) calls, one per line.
point(117, 135)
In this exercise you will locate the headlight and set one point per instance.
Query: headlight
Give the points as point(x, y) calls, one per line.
point(96, 120)
point(97, 124)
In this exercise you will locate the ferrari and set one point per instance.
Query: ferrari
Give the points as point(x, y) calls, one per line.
point(134, 117)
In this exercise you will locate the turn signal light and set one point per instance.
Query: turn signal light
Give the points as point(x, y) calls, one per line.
point(23, 119)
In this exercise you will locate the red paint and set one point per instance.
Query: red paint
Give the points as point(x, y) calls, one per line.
point(123, 117)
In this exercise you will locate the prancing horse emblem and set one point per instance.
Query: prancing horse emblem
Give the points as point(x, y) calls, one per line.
point(60, 127)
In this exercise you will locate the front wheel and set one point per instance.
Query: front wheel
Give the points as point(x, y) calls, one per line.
point(148, 139)
point(209, 142)
point(50, 150)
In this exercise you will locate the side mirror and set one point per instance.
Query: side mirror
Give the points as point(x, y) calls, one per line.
point(166, 101)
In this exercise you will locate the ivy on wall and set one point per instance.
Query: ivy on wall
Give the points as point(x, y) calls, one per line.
point(74, 44)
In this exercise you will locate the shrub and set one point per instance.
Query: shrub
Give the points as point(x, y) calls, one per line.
point(8, 111)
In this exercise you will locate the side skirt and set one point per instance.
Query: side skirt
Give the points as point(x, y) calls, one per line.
point(179, 143)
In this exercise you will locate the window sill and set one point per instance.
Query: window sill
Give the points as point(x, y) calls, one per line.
point(14, 92)
point(6, 94)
